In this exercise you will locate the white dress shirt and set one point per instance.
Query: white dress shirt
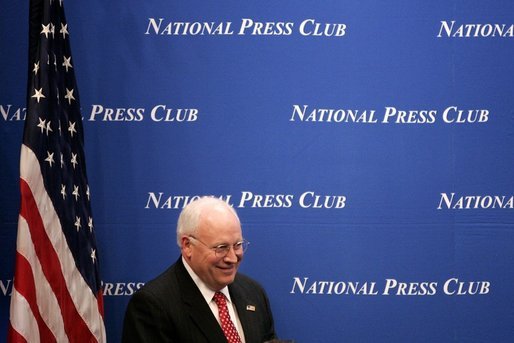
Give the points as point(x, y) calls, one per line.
point(208, 295)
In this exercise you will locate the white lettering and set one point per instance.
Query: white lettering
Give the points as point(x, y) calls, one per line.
point(187, 28)
point(6, 287)
point(120, 288)
point(467, 202)
point(311, 200)
point(328, 115)
point(455, 287)
point(162, 113)
point(475, 30)
point(17, 114)
point(453, 115)
point(310, 27)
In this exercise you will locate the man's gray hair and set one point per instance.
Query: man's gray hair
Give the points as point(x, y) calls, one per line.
point(190, 216)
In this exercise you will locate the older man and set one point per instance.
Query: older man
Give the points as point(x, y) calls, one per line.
point(202, 297)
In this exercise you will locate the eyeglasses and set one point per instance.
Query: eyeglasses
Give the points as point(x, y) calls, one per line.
point(223, 249)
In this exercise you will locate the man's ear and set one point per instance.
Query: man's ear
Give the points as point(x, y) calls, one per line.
point(185, 246)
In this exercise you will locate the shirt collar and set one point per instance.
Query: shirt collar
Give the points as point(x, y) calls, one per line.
point(207, 293)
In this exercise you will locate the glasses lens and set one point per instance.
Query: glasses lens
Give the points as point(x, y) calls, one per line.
point(239, 247)
point(222, 250)
point(243, 245)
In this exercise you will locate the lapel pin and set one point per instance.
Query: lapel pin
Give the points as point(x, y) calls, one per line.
point(250, 308)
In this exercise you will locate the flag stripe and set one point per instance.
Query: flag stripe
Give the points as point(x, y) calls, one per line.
point(25, 285)
point(81, 298)
point(46, 300)
point(13, 336)
point(23, 322)
point(74, 325)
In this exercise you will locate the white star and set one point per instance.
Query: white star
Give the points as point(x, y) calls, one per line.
point(46, 30)
point(67, 63)
point(76, 192)
point(71, 128)
point(62, 160)
point(74, 160)
point(42, 124)
point(69, 95)
point(48, 128)
point(93, 255)
point(87, 192)
point(36, 67)
point(64, 30)
point(55, 62)
point(52, 29)
point(38, 94)
point(50, 158)
point(63, 191)
point(90, 224)
point(77, 223)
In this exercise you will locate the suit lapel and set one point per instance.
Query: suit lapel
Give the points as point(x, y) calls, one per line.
point(197, 308)
point(245, 311)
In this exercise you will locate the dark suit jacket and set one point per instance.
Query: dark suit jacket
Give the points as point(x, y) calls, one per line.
point(171, 308)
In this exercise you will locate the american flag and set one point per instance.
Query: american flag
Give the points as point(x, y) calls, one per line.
point(57, 289)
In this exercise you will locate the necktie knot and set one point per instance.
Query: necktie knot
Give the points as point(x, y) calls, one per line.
point(226, 323)
point(219, 299)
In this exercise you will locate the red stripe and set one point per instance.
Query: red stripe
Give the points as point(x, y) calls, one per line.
point(13, 336)
point(75, 327)
point(24, 284)
point(100, 301)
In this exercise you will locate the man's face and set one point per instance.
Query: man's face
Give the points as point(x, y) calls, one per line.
point(216, 226)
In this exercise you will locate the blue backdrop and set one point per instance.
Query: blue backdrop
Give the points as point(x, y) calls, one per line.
point(367, 147)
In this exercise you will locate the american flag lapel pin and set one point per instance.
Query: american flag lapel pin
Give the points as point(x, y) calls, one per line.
point(250, 308)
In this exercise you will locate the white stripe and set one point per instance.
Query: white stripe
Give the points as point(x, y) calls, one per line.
point(46, 300)
point(22, 319)
point(82, 296)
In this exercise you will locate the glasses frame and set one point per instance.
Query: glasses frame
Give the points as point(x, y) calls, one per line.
point(222, 250)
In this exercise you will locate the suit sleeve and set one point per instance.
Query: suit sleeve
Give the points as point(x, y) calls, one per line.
point(270, 333)
point(145, 321)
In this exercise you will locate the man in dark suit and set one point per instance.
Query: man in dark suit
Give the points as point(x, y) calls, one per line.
point(180, 304)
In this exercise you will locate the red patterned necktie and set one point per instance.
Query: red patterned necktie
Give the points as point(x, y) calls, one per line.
point(226, 323)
